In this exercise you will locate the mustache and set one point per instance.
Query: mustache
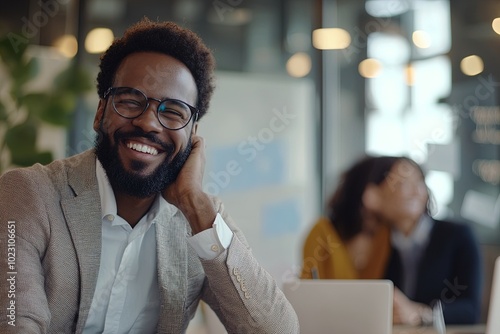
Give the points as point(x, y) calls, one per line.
point(120, 135)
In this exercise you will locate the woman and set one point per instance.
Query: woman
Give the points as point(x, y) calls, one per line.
point(427, 259)
point(342, 244)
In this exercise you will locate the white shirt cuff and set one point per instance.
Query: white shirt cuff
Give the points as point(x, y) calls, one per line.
point(212, 242)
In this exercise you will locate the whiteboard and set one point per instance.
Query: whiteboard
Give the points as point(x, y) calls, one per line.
point(259, 134)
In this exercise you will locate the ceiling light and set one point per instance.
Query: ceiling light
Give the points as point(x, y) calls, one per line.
point(370, 68)
point(421, 39)
point(98, 40)
point(67, 45)
point(472, 65)
point(496, 25)
point(331, 39)
point(299, 65)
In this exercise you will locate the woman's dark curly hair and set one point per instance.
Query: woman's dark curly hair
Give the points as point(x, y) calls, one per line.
point(344, 208)
point(167, 38)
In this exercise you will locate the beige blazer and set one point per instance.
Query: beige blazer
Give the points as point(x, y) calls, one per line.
point(57, 217)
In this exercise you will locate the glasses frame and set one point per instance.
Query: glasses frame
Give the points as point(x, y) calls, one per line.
point(111, 91)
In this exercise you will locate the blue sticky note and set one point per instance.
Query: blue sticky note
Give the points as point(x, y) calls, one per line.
point(281, 218)
point(244, 167)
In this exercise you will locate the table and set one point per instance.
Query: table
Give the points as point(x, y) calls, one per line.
point(469, 329)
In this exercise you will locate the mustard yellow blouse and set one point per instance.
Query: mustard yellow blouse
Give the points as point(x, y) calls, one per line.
point(325, 253)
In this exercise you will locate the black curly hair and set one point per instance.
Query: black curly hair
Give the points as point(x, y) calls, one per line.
point(344, 207)
point(167, 38)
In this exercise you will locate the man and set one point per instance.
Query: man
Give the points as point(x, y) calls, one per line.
point(123, 239)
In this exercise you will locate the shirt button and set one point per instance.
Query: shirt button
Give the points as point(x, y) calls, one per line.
point(110, 218)
point(215, 248)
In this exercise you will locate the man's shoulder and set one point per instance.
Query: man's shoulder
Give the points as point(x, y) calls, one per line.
point(73, 160)
point(52, 172)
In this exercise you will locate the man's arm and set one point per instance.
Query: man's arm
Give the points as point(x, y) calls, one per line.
point(24, 307)
point(245, 297)
point(243, 294)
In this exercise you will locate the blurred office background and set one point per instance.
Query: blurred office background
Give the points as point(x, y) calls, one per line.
point(304, 89)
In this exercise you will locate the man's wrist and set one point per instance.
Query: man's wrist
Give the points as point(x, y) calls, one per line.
point(199, 210)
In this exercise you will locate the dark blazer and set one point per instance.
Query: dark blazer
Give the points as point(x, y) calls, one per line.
point(57, 215)
point(450, 270)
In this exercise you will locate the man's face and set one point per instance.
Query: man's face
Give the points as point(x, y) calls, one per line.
point(139, 155)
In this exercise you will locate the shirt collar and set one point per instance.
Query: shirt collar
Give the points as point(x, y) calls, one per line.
point(418, 237)
point(108, 200)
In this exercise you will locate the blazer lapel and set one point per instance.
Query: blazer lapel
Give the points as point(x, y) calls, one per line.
point(171, 246)
point(83, 216)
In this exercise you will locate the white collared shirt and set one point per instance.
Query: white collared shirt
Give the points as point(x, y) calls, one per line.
point(126, 298)
point(411, 249)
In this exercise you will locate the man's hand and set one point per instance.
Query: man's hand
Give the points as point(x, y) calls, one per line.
point(187, 194)
point(408, 312)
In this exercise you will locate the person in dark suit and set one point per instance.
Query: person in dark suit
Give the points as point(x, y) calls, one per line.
point(430, 259)
point(378, 225)
point(122, 238)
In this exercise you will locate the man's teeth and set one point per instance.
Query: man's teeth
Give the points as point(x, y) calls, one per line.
point(143, 148)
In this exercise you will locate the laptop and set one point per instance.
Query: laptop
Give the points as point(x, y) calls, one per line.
point(342, 306)
point(493, 321)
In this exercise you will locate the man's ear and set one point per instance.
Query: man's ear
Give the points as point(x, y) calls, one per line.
point(371, 199)
point(195, 128)
point(99, 114)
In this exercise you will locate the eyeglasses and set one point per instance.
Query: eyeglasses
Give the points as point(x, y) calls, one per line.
point(131, 103)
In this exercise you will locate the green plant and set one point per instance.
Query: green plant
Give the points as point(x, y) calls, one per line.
point(23, 111)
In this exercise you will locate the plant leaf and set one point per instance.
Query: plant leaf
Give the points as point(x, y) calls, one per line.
point(21, 141)
point(35, 103)
point(12, 48)
point(29, 159)
point(21, 138)
point(58, 110)
point(3, 112)
point(73, 79)
point(25, 71)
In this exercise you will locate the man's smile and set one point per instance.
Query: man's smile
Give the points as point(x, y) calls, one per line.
point(143, 148)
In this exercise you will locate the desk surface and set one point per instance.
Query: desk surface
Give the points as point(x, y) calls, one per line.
point(475, 329)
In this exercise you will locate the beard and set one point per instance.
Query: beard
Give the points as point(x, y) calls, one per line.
point(132, 183)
